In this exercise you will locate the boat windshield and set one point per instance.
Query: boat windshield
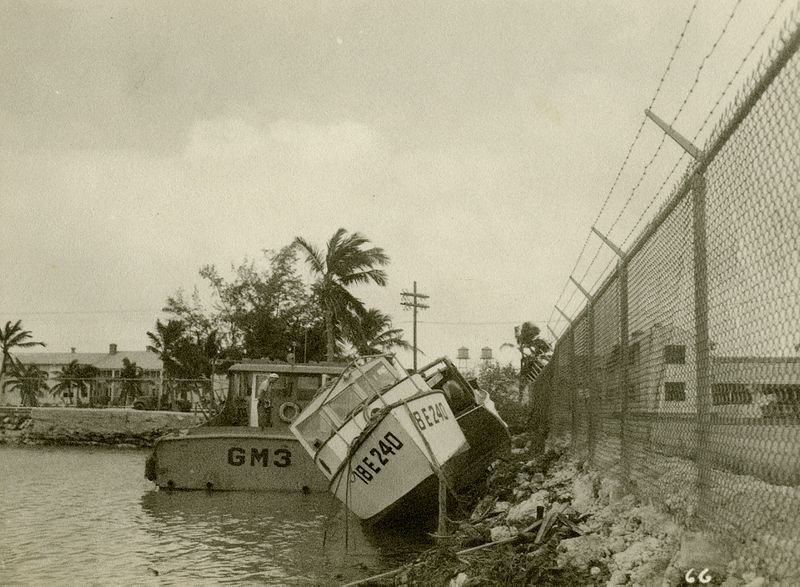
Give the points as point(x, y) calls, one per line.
point(363, 385)
point(316, 429)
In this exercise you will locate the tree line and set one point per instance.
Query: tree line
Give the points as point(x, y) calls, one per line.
point(265, 310)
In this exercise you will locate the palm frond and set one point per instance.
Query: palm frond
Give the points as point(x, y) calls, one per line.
point(312, 253)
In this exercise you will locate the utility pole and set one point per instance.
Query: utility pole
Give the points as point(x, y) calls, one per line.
point(411, 299)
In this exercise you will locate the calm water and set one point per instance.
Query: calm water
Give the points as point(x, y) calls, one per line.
point(78, 516)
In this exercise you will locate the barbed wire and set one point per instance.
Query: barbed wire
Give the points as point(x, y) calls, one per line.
point(635, 140)
point(661, 143)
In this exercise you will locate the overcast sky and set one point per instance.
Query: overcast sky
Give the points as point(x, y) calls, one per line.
point(474, 141)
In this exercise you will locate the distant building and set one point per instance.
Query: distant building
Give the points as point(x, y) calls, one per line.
point(662, 378)
point(109, 366)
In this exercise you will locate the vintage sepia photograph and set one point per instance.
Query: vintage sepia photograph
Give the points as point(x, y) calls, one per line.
point(382, 293)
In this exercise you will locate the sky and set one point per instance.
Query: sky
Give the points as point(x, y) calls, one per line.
point(476, 142)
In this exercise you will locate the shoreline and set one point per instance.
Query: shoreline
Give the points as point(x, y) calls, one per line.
point(113, 427)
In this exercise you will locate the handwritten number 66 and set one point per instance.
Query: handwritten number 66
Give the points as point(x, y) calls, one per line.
point(703, 577)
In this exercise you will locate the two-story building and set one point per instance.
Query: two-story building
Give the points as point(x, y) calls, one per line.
point(109, 367)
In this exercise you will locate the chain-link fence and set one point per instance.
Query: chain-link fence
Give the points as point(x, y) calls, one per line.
point(681, 375)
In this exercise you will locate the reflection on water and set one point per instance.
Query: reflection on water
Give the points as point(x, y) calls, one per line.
point(84, 515)
point(270, 537)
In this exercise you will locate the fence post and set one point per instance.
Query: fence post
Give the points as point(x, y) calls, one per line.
point(622, 373)
point(573, 424)
point(701, 342)
point(594, 400)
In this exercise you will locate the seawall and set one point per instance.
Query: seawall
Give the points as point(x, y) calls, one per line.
point(112, 426)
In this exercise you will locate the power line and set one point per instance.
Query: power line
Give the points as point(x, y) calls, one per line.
point(411, 300)
point(459, 323)
point(77, 312)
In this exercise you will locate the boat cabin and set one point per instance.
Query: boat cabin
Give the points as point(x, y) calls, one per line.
point(266, 394)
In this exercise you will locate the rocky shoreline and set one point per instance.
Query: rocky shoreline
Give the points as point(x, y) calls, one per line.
point(123, 428)
point(544, 519)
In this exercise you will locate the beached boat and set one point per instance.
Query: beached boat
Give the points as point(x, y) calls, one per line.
point(247, 444)
point(487, 434)
point(384, 438)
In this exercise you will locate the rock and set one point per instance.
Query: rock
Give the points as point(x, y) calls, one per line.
point(611, 491)
point(583, 494)
point(701, 551)
point(459, 580)
point(526, 510)
point(499, 533)
point(522, 478)
point(501, 507)
point(581, 551)
point(537, 478)
point(595, 571)
point(517, 451)
point(617, 578)
point(617, 544)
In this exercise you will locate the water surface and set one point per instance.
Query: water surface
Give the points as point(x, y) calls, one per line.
point(77, 516)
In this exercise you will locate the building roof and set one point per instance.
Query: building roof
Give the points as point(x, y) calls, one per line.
point(103, 361)
point(281, 367)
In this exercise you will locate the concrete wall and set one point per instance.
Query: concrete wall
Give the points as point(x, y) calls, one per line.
point(106, 426)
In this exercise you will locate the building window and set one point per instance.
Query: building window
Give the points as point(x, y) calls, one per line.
point(674, 391)
point(675, 354)
point(724, 394)
point(633, 353)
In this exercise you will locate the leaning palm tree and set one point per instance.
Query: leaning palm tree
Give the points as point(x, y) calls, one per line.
point(372, 333)
point(29, 381)
point(345, 263)
point(166, 342)
point(533, 352)
point(12, 336)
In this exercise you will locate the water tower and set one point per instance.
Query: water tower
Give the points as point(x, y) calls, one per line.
point(463, 357)
point(486, 354)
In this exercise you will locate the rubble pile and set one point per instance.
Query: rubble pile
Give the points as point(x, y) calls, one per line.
point(546, 520)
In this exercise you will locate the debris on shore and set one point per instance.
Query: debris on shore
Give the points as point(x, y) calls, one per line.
point(543, 519)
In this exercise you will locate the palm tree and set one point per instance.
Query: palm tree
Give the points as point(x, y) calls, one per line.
point(166, 342)
point(131, 385)
point(69, 380)
point(12, 336)
point(345, 263)
point(29, 380)
point(372, 333)
point(533, 351)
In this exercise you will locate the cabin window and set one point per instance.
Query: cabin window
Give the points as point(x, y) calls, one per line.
point(347, 400)
point(280, 387)
point(316, 429)
point(307, 386)
point(378, 378)
point(674, 391)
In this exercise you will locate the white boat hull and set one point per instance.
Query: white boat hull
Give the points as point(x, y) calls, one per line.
point(398, 455)
point(233, 458)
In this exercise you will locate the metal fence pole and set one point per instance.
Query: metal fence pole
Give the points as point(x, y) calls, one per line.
point(622, 372)
point(701, 348)
point(591, 380)
point(573, 389)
